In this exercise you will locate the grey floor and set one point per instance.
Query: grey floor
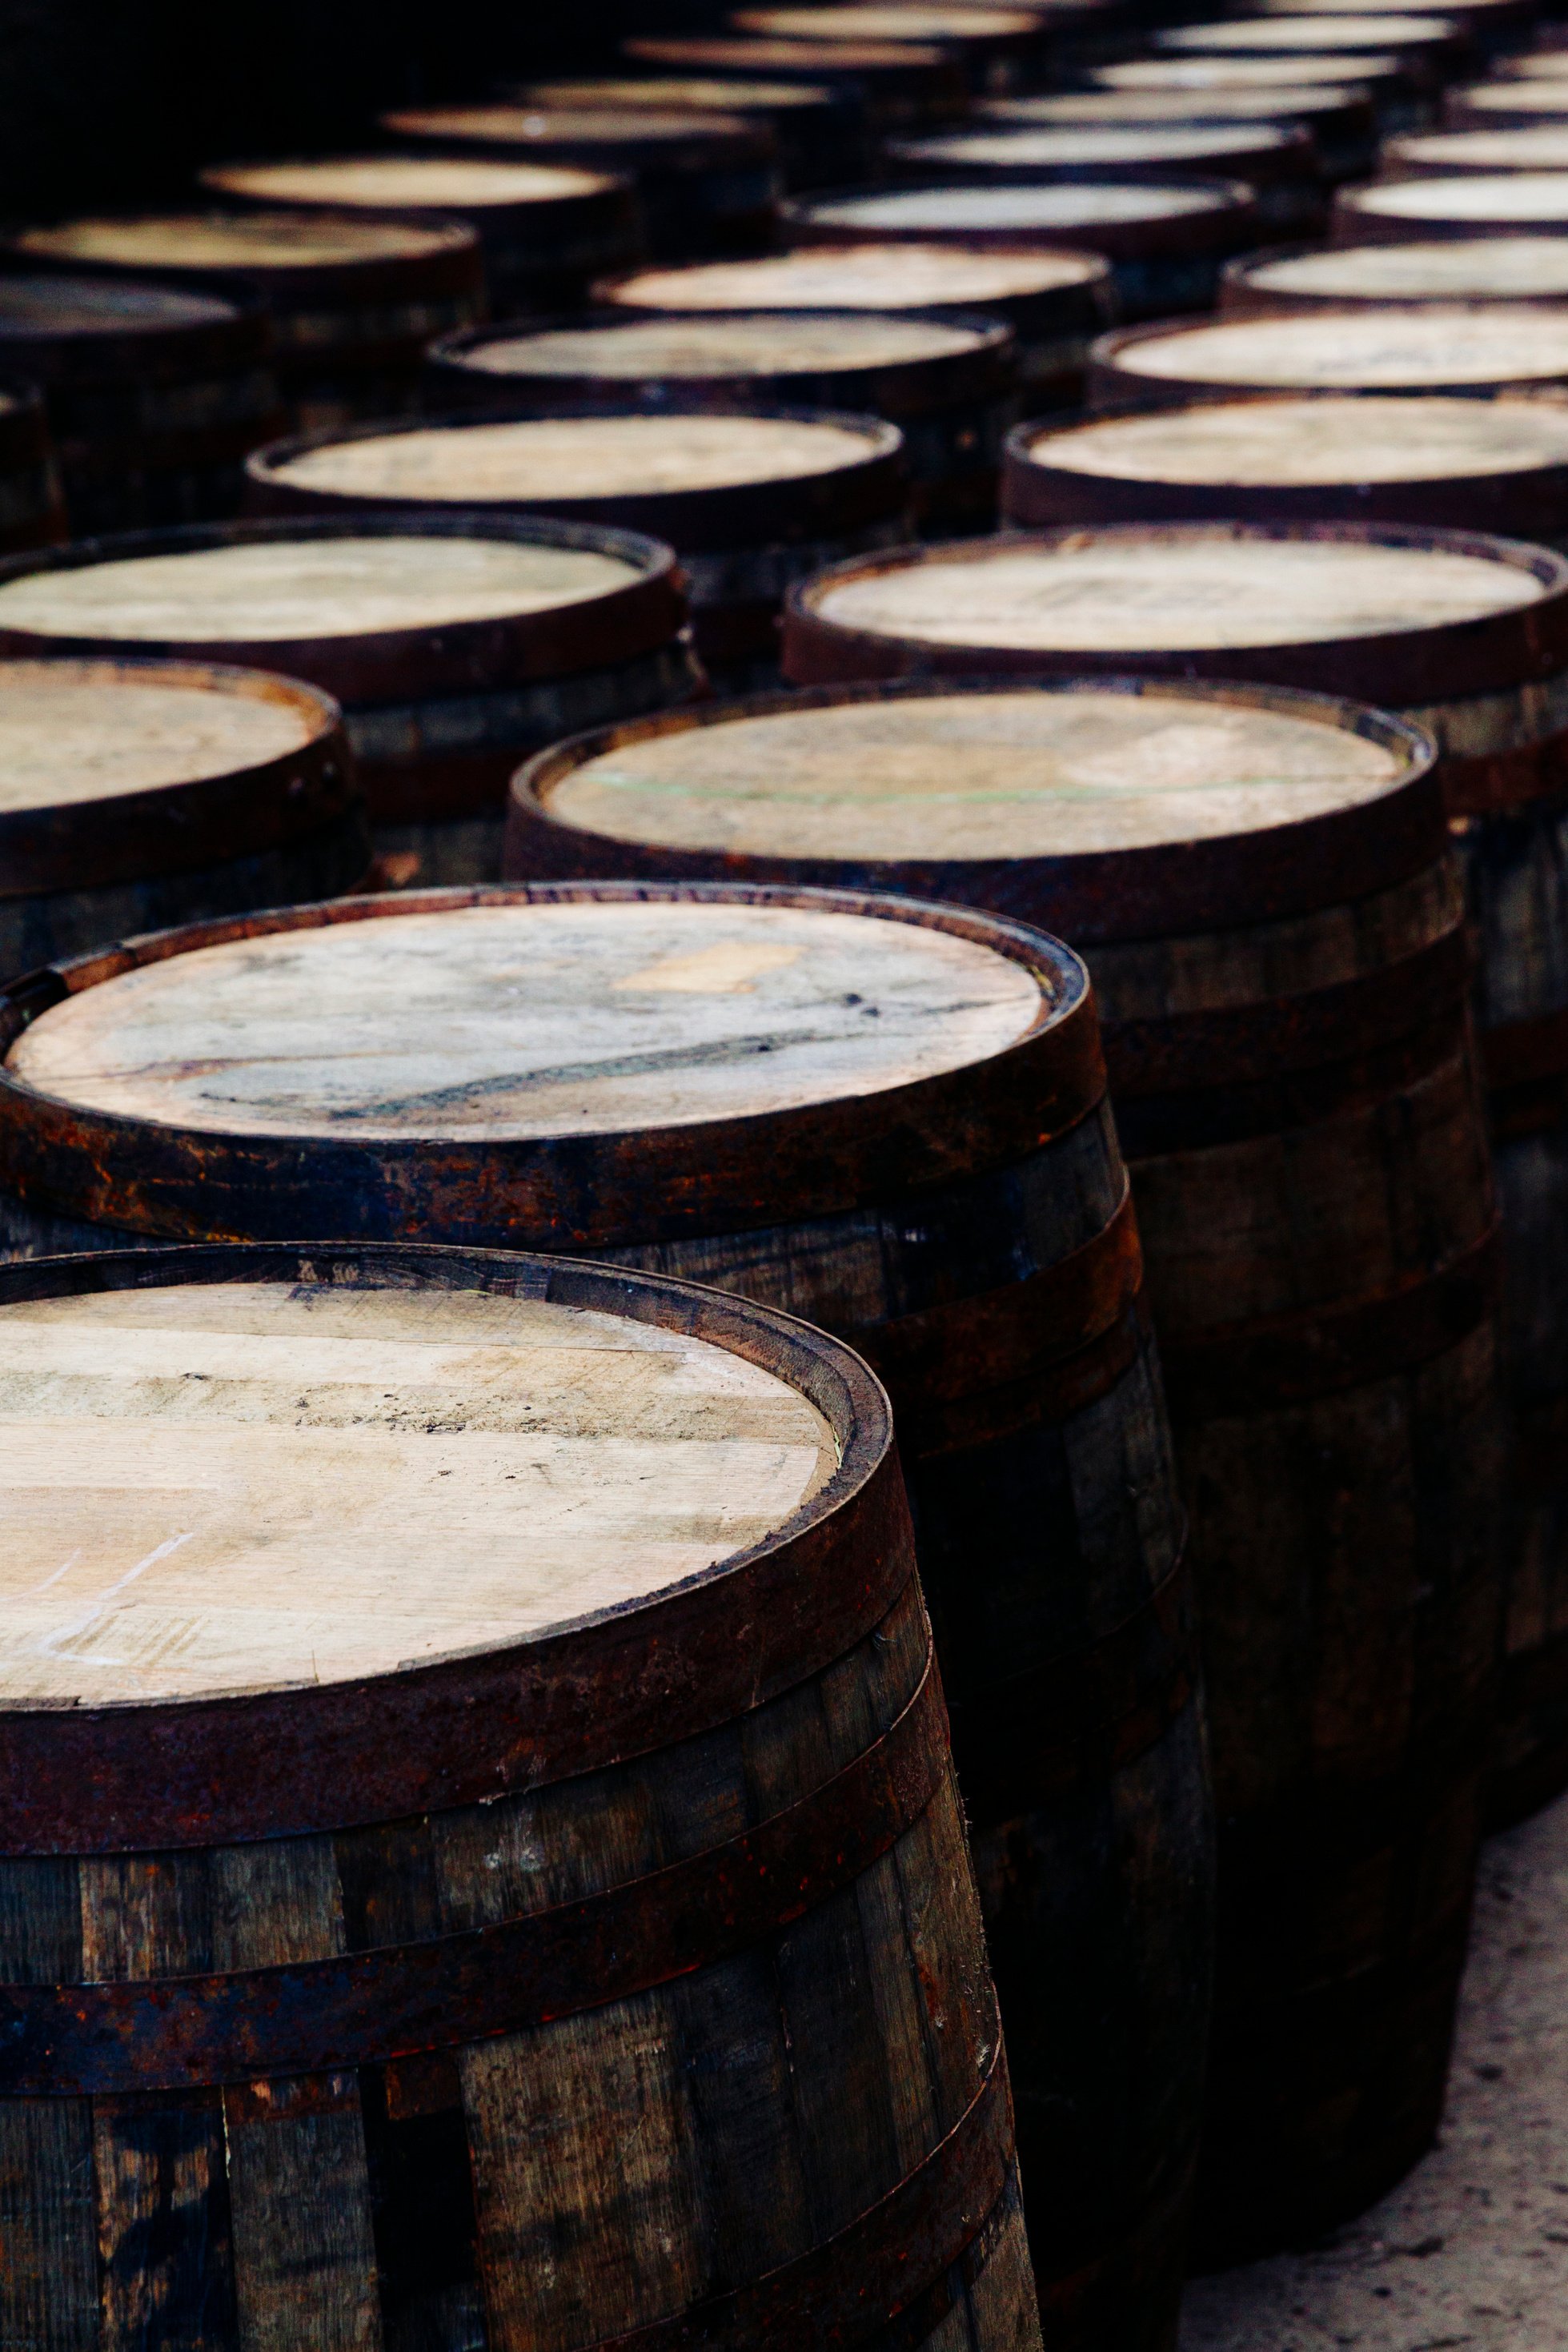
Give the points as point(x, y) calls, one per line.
point(1472, 2249)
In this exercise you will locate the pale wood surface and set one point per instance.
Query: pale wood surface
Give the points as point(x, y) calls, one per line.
point(750, 51)
point(1178, 105)
point(914, 22)
point(1116, 144)
point(73, 731)
point(40, 302)
point(1326, 440)
point(762, 344)
point(305, 588)
point(531, 1020)
point(1544, 65)
point(577, 456)
point(254, 1485)
point(1286, 71)
point(1510, 196)
point(1446, 344)
point(682, 93)
point(1544, 98)
point(1423, 271)
point(1492, 151)
point(856, 276)
point(955, 776)
point(1305, 33)
point(394, 180)
point(1070, 207)
point(524, 123)
point(280, 240)
point(1094, 594)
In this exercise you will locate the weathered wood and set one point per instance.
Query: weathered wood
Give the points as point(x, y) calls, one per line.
point(891, 1127)
point(706, 183)
point(1341, 122)
point(949, 380)
point(749, 501)
point(1278, 162)
point(1510, 270)
point(1306, 1178)
point(546, 228)
point(456, 647)
point(821, 131)
point(353, 300)
point(897, 81)
point(138, 793)
point(468, 2157)
point(1478, 203)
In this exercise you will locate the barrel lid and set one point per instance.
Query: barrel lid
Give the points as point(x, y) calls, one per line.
point(1082, 207)
point(1435, 344)
point(1473, 269)
point(1486, 197)
point(911, 20)
point(1042, 147)
point(632, 129)
point(394, 180)
point(1511, 99)
point(1324, 440)
point(1401, 616)
point(713, 346)
point(678, 92)
point(1533, 65)
point(751, 54)
point(1258, 36)
point(1285, 71)
point(41, 306)
point(858, 277)
point(283, 241)
point(1299, 102)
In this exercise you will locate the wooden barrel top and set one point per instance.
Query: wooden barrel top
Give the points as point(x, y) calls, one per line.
point(1142, 213)
point(1508, 103)
point(857, 278)
point(680, 94)
point(282, 243)
point(1359, 69)
point(1074, 146)
point(633, 135)
point(72, 328)
point(1535, 65)
point(1262, 36)
point(393, 182)
point(78, 732)
point(896, 62)
point(1473, 269)
point(1534, 201)
point(1306, 103)
point(1517, 149)
point(912, 20)
point(1430, 346)
point(713, 347)
point(253, 1486)
point(43, 307)
point(1321, 441)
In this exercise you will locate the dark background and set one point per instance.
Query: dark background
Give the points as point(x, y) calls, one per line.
point(118, 102)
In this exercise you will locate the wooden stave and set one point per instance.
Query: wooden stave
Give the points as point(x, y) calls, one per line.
point(1126, 1551)
point(922, 85)
point(1284, 179)
point(1352, 224)
point(291, 2259)
point(1237, 292)
point(1245, 2207)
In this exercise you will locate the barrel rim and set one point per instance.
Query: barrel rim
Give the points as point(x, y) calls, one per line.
point(1093, 896)
point(1319, 104)
point(1231, 212)
point(993, 335)
point(920, 65)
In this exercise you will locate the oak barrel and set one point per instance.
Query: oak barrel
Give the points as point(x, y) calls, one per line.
point(821, 131)
point(32, 505)
point(749, 501)
point(1264, 892)
point(706, 183)
point(1164, 242)
point(353, 300)
point(1538, 147)
point(1504, 105)
point(1432, 48)
point(1458, 205)
point(897, 81)
point(456, 644)
point(1277, 163)
point(1342, 123)
point(1491, 24)
point(155, 392)
point(1464, 270)
point(888, 1119)
point(545, 229)
point(576, 1943)
point(948, 379)
point(1054, 302)
point(138, 793)
point(1000, 48)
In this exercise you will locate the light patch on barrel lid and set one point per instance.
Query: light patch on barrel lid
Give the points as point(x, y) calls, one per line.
point(1473, 269)
point(281, 240)
point(1291, 442)
point(394, 180)
point(1303, 33)
point(1112, 143)
point(911, 20)
point(760, 343)
point(1175, 107)
point(873, 276)
point(1445, 343)
point(1282, 72)
point(1545, 145)
point(561, 126)
point(1071, 205)
point(733, 968)
point(1480, 196)
point(77, 732)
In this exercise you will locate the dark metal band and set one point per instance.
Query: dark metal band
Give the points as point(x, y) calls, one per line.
point(325, 2016)
point(1500, 783)
point(1070, 1386)
point(1290, 1358)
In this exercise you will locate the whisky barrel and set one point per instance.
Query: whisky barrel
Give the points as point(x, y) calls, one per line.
point(706, 183)
point(1342, 123)
point(1507, 270)
point(948, 379)
point(1264, 896)
point(1054, 303)
point(545, 229)
point(1446, 348)
point(1000, 48)
point(1505, 105)
point(454, 644)
point(749, 502)
point(1543, 64)
point(483, 1857)
point(896, 81)
point(140, 793)
point(1541, 147)
point(155, 392)
point(1479, 203)
point(821, 131)
point(32, 507)
point(1490, 465)
point(1490, 25)
point(352, 302)
point(890, 1120)
point(1165, 243)
point(1433, 49)
point(1279, 165)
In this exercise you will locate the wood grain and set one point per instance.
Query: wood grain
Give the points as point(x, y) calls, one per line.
point(1511, 268)
point(868, 277)
point(1324, 441)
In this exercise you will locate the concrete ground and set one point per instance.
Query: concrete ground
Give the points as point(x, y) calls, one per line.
point(1472, 2249)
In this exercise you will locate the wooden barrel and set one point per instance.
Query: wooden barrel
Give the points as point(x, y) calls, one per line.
point(546, 229)
point(1446, 348)
point(352, 302)
point(1053, 302)
point(1342, 123)
point(1505, 105)
point(1541, 147)
point(455, 645)
point(1269, 912)
point(1490, 465)
point(897, 81)
point(1279, 165)
point(32, 505)
point(749, 502)
point(1509, 269)
point(1472, 205)
point(141, 793)
point(948, 379)
point(706, 183)
point(999, 46)
point(155, 394)
point(578, 1946)
point(821, 131)
point(1433, 49)
point(891, 1120)
point(1490, 25)
point(1382, 77)
point(1165, 244)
